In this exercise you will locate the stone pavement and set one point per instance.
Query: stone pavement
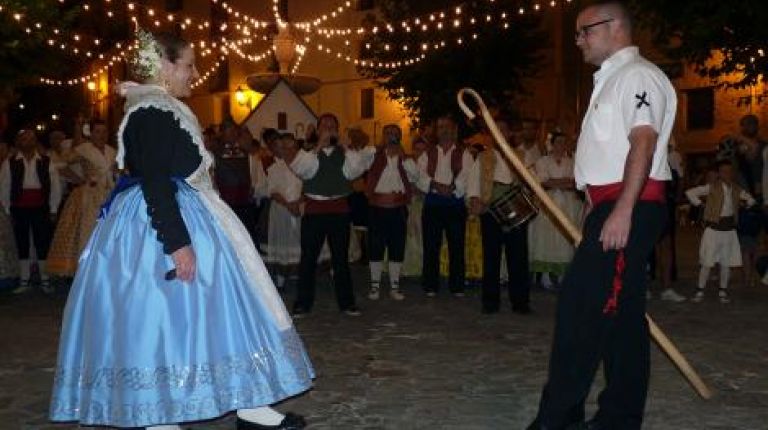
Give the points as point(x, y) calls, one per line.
point(440, 364)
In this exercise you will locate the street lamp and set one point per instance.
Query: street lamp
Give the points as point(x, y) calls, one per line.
point(240, 96)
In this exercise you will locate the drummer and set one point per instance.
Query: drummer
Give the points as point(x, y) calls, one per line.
point(490, 178)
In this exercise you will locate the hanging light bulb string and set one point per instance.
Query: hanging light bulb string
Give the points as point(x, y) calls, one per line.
point(440, 27)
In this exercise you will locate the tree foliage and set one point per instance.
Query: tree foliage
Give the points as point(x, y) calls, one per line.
point(495, 63)
point(694, 30)
point(26, 56)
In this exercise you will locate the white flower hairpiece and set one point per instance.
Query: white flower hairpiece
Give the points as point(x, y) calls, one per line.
point(146, 60)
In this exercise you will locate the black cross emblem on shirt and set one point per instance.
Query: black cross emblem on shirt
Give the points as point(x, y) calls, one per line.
point(642, 99)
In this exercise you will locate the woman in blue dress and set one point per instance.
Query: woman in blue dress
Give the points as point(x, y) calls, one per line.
point(172, 316)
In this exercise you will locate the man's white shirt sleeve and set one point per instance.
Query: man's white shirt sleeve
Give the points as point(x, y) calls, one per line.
point(642, 100)
point(305, 164)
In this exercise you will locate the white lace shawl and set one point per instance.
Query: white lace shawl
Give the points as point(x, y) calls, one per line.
point(144, 96)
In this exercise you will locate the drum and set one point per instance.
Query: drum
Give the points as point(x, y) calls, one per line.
point(513, 208)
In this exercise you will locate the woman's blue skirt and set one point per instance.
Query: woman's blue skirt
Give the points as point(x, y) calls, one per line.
point(137, 350)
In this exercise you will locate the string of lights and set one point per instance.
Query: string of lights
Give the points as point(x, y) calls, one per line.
point(75, 44)
point(431, 25)
point(205, 49)
point(368, 63)
point(338, 11)
point(158, 19)
point(241, 16)
point(500, 20)
point(301, 50)
point(276, 13)
point(432, 22)
point(84, 45)
point(235, 47)
point(422, 47)
point(209, 72)
point(119, 57)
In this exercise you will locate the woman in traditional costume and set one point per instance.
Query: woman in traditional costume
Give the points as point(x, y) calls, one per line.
point(172, 316)
point(550, 249)
point(95, 159)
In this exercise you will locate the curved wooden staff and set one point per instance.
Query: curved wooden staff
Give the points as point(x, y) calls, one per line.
point(575, 235)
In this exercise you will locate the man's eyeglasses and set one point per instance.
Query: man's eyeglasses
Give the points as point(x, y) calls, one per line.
point(585, 30)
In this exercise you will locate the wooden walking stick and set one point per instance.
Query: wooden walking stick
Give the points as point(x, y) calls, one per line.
point(575, 235)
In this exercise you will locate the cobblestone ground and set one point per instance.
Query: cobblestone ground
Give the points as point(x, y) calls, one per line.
point(440, 364)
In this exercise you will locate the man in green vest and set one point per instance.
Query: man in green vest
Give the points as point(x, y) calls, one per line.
point(327, 172)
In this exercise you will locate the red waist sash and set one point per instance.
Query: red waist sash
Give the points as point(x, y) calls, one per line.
point(30, 199)
point(330, 206)
point(653, 191)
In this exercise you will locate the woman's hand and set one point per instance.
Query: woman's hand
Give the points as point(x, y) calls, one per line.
point(184, 260)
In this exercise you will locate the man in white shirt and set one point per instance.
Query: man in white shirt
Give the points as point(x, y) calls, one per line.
point(443, 171)
point(30, 191)
point(388, 187)
point(327, 172)
point(621, 161)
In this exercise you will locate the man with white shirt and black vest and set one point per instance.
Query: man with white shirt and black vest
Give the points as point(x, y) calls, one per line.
point(621, 163)
point(443, 173)
point(30, 191)
point(491, 177)
point(389, 193)
point(327, 172)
